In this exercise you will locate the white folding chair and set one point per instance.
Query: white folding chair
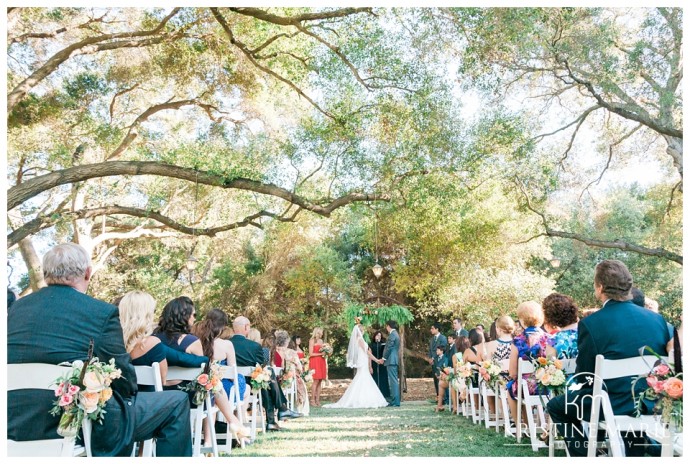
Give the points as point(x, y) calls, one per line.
point(199, 413)
point(488, 394)
point(42, 376)
point(474, 397)
point(257, 419)
point(534, 407)
point(230, 372)
point(555, 442)
point(148, 376)
point(612, 369)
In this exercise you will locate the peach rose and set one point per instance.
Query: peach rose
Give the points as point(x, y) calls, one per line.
point(558, 364)
point(202, 379)
point(542, 361)
point(106, 394)
point(674, 388)
point(89, 401)
point(93, 382)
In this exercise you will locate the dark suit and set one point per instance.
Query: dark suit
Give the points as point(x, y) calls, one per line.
point(391, 355)
point(249, 353)
point(617, 331)
point(436, 340)
point(55, 325)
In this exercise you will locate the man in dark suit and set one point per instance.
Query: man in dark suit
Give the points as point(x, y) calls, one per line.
point(390, 360)
point(249, 353)
point(618, 330)
point(437, 338)
point(457, 328)
point(57, 324)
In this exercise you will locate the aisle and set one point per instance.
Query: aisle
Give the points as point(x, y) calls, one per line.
point(414, 429)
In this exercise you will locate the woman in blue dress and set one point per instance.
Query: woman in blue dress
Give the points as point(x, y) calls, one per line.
point(560, 311)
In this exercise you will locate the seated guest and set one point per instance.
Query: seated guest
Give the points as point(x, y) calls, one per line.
point(462, 344)
point(635, 327)
point(57, 324)
point(208, 332)
point(287, 358)
point(475, 353)
point(637, 296)
point(249, 353)
point(499, 349)
point(529, 345)
point(561, 312)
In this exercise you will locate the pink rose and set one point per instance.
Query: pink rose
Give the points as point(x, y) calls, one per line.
point(652, 381)
point(65, 400)
point(661, 369)
point(659, 386)
point(202, 379)
point(73, 389)
point(58, 389)
point(674, 388)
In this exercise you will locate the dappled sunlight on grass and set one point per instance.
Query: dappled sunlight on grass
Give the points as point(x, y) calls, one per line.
point(412, 430)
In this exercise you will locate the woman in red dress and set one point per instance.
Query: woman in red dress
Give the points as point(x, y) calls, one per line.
point(295, 345)
point(318, 364)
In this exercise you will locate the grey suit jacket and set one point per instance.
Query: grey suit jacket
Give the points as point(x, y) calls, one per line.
point(436, 341)
point(391, 353)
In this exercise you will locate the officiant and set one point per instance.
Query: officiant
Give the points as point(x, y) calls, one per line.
point(378, 371)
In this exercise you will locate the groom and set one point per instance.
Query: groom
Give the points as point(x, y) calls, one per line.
point(390, 360)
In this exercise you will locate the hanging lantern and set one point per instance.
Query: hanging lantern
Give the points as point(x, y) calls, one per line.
point(555, 262)
point(191, 262)
point(377, 270)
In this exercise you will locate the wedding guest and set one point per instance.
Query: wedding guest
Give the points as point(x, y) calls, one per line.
point(450, 351)
point(437, 338)
point(635, 327)
point(530, 344)
point(317, 363)
point(288, 358)
point(174, 330)
point(249, 353)
point(136, 317)
point(208, 332)
point(493, 333)
point(499, 349)
point(476, 352)
point(296, 344)
point(254, 335)
point(440, 363)
point(269, 348)
point(462, 344)
point(637, 296)
point(561, 312)
point(651, 305)
point(56, 324)
point(457, 328)
point(379, 371)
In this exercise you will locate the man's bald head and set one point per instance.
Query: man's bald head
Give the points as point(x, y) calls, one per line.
point(241, 325)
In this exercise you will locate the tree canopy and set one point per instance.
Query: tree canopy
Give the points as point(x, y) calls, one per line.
point(290, 149)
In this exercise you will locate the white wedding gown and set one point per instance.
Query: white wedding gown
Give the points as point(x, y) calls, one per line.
point(363, 391)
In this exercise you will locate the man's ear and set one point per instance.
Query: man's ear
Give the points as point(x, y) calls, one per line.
point(89, 271)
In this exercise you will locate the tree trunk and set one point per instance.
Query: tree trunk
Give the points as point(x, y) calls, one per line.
point(33, 264)
point(675, 151)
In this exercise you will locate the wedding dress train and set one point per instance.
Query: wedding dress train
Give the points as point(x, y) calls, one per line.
point(363, 391)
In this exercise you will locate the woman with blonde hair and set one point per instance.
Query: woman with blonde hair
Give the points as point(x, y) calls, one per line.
point(317, 363)
point(136, 317)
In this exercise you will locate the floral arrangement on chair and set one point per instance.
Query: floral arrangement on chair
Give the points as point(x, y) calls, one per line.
point(259, 378)
point(206, 382)
point(490, 371)
point(326, 350)
point(462, 372)
point(550, 375)
point(665, 387)
point(83, 392)
point(288, 375)
point(307, 376)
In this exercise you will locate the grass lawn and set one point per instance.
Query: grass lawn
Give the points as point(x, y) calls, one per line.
point(414, 429)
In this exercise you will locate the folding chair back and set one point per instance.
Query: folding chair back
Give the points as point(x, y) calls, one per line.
point(148, 376)
point(257, 416)
point(534, 407)
point(612, 369)
point(199, 413)
point(42, 376)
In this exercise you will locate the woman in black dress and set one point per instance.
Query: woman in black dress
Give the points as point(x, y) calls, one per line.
point(378, 371)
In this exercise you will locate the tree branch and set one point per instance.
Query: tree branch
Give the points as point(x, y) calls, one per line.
point(20, 91)
point(46, 221)
point(22, 192)
point(618, 244)
point(296, 20)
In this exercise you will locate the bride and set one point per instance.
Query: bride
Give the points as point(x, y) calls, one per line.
point(363, 391)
